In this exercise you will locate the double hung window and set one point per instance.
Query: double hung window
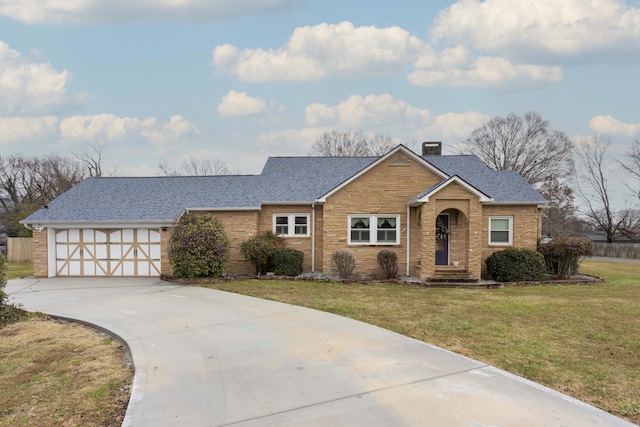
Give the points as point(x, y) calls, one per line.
point(291, 225)
point(501, 230)
point(374, 229)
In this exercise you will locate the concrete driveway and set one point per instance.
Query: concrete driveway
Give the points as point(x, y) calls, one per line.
point(211, 358)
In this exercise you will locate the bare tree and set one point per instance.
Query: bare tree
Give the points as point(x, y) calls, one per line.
point(633, 167)
point(91, 158)
point(524, 144)
point(593, 187)
point(351, 143)
point(196, 166)
point(28, 183)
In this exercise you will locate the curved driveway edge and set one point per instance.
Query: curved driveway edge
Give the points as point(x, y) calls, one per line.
point(210, 358)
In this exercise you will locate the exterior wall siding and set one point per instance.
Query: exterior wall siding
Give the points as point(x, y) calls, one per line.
point(265, 223)
point(526, 228)
point(384, 189)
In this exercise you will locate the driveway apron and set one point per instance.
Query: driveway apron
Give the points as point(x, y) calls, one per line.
point(210, 358)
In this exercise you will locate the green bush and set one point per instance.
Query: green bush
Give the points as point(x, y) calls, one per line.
point(564, 255)
point(3, 278)
point(343, 263)
point(388, 262)
point(287, 262)
point(516, 265)
point(198, 246)
point(259, 250)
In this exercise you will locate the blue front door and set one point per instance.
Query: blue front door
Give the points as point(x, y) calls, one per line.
point(442, 240)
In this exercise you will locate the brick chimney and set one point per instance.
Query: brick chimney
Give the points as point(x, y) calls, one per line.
point(432, 148)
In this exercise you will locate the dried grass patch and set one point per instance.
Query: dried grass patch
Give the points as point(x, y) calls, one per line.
point(61, 374)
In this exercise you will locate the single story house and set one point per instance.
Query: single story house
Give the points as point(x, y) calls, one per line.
point(441, 214)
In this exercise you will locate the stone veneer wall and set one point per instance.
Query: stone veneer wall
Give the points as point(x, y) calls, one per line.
point(383, 190)
point(40, 253)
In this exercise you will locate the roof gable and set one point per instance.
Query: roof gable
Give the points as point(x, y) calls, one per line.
point(434, 189)
point(399, 149)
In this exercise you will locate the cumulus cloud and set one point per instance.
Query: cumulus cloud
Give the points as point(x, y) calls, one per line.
point(554, 28)
point(103, 127)
point(99, 11)
point(176, 130)
point(482, 71)
point(14, 129)
point(313, 52)
point(237, 104)
point(28, 87)
point(372, 110)
point(452, 125)
point(609, 125)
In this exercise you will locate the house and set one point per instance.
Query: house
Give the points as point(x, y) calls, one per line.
point(439, 213)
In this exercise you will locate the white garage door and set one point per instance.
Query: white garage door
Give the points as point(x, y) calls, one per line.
point(104, 252)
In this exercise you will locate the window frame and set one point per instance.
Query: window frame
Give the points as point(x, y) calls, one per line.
point(291, 224)
point(373, 230)
point(510, 230)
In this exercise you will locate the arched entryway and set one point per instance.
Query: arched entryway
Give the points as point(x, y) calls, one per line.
point(451, 239)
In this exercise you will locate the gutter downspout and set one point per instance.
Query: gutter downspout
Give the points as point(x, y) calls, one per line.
point(408, 237)
point(313, 238)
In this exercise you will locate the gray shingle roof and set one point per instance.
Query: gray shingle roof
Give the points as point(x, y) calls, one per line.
point(283, 179)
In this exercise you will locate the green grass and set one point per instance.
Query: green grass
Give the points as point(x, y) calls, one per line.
point(17, 270)
point(581, 340)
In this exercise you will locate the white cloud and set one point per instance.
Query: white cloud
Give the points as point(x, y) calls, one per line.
point(237, 104)
point(98, 11)
point(289, 142)
point(176, 130)
point(28, 87)
point(609, 125)
point(313, 52)
point(26, 128)
point(103, 126)
point(482, 71)
point(548, 27)
point(452, 125)
point(372, 110)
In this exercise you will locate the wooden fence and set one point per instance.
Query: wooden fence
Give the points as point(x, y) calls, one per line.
point(618, 250)
point(19, 249)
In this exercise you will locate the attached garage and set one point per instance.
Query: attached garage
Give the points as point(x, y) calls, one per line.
point(107, 252)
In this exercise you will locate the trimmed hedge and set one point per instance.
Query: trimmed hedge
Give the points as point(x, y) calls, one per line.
point(287, 262)
point(516, 265)
point(198, 246)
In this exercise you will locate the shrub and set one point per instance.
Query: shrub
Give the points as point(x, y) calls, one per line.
point(343, 263)
point(516, 265)
point(3, 278)
point(564, 255)
point(259, 250)
point(388, 262)
point(198, 246)
point(287, 262)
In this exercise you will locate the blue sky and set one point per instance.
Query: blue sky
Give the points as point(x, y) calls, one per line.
point(158, 81)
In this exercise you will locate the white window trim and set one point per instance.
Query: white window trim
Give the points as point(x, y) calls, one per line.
point(510, 242)
point(373, 231)
point(291, 224)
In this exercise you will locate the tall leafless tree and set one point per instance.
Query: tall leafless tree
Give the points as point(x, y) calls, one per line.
point(632, 167)
point(198, 166)
point(592, 178)
point(524, 144)
point(28, 183)
point(91, 158)
point(351, 143)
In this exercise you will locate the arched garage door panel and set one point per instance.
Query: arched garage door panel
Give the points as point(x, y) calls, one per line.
point(97, 252)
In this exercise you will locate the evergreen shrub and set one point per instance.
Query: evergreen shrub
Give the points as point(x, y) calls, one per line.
point(516, 265)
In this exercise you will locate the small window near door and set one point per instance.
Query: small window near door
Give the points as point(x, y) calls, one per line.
point(501, 230)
